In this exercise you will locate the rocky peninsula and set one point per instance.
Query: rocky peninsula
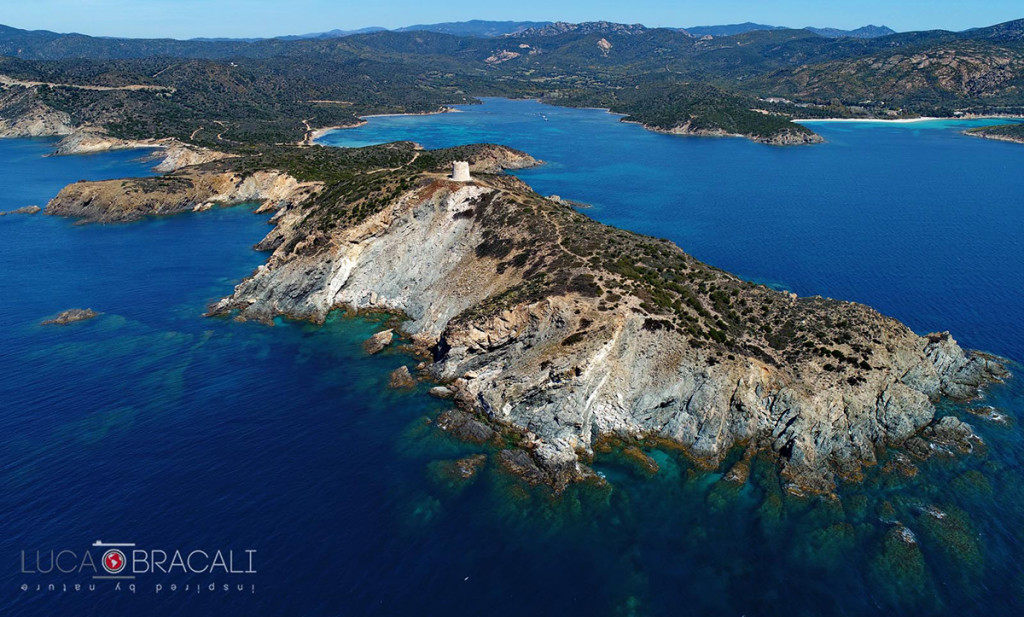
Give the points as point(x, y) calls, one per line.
point(556, 333)
point(1013, 133)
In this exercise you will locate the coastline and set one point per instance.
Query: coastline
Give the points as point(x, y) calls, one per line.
point(993, 137)
point(316, 134)
point(872, 120)
point(908, 120)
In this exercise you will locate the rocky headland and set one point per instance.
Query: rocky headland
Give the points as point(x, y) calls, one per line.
point(1013, 133)
point(788, 137)
point(191, 190)
point(558, 334)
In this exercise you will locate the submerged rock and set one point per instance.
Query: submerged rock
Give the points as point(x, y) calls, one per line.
point(898, 571)
point(401, 378)
point(465, 427)
point(70, 316)
point(991, 414)
point(455, 476)
point(377, 342)
point(950, 531)
point(640, 461)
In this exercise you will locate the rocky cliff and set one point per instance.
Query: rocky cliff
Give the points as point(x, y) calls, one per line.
point(567, 331)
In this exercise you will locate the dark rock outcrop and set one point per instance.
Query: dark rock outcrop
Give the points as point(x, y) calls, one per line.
point(71, 316)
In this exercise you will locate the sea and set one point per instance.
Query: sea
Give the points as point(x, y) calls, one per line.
point(280, 450)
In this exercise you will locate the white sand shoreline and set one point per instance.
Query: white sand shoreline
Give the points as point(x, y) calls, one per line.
point(882, 120)
point(905, 120)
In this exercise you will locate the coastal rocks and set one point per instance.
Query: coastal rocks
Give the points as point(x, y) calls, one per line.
point(948, 436)
point(791, 138)
point(491, 159)
point(401, 378)
point(991, 414)
point(997, 133)
point(960, 375)
point(71, 316)
point(538, 467)
point(376, 343)
point(111, 201)
point(173, 154)
point(462, 425)
point(23, 210)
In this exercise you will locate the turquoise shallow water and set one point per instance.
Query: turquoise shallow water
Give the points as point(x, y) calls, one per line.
point(155, 425)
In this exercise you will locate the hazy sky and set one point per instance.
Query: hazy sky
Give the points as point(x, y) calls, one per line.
point(241, 18)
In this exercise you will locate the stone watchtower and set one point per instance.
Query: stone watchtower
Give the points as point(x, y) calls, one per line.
point(460, 171)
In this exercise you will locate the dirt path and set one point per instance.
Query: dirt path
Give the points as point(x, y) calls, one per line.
point(10, 81)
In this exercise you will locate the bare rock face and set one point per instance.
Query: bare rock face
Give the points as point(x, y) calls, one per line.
point(112, 201)
point(377, 342)
point(540, 323)
point(71, 316)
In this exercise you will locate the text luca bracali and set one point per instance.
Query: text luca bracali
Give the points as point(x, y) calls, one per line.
point(123, 566)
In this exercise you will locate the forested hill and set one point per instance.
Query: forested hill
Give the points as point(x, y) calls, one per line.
point(750, 83)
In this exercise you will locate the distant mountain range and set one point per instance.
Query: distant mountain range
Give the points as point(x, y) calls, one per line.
point(730, 30)
point(749, 84)
point(866, 32)
point(493, 29)
point(478, 27)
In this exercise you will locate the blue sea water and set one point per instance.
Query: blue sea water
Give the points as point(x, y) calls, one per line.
point(155, 425)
